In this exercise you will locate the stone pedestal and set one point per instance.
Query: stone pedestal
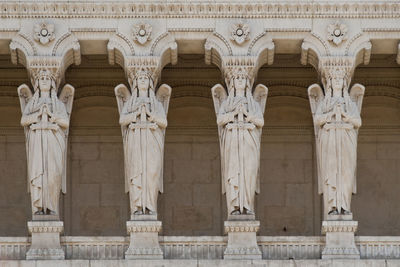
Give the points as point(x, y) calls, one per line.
point(45, 240)
point(340, 244)
point(143, 238)
point(242, 241)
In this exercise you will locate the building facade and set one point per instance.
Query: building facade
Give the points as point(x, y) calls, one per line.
point(311, 190)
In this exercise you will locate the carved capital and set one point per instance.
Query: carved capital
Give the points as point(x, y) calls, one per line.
point(336, 68)
point(260, 51)
point(335, 39)
point(141, 51)
point(45, 45)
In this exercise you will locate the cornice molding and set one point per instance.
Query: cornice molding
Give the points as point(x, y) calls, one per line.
point(200, 9)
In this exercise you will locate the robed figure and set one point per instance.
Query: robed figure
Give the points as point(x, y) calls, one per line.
point(240, 118)
point(337, 119)
point(45, 117)
point(143, 119)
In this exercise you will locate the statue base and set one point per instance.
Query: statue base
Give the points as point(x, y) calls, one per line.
point(340, 244)
point(45, 240)
point(144, 240)
point(242, 240)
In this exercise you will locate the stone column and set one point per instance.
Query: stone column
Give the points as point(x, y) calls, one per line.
point(335, 49)
point(143, 109)
point(240, 128)
point(143, 118)
point(336, 111)
point(46, 50)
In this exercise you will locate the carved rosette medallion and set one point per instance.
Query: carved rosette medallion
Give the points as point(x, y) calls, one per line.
point(337, 32)
point(240, 32)
point(43, 33)
point(141, 33)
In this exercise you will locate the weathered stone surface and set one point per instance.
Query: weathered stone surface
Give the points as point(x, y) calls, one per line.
point(242, 242)
point(340, 243)
point(144, 240)
point(45, 244)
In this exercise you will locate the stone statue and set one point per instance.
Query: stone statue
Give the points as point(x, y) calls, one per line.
point(240, 120)
point(143, 119)
point(336, 121)
point(45, 118)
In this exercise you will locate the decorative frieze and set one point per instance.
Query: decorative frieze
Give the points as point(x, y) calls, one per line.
point(199, 9)
point(339, 226)
point(201, 247)
point(144, 227)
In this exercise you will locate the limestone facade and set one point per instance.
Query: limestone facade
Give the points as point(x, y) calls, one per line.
point(192, 46)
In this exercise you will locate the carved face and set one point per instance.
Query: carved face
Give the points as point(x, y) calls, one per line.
point(143, 82)
point(44, 83)
point(337, 83)
point(240, 82)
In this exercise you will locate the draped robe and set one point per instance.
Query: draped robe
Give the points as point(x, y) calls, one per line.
point(240, 151)
point(337, 150)
point(143, 150)
point(46, 147)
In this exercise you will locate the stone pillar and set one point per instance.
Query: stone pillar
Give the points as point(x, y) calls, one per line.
point(46, 50)
point(144, 244)
point(335, 50)
point(336, 111)
point(339, 231)
point(146, 119)
point(240, 181)
point(45, 240)
point(242, 240)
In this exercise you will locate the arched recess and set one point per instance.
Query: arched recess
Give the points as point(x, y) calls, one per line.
point(288, 111)
point(95, 111)
point(381, 107)
point(191, 106)
point(378, 157)
point(96, 203)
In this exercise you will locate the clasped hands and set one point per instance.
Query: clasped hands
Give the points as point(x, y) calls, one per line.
point(242, 109)
point(44, 109)
point(344, 116)
point(133, 116)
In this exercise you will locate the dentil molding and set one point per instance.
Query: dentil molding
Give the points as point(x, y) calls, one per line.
point(202, 9)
